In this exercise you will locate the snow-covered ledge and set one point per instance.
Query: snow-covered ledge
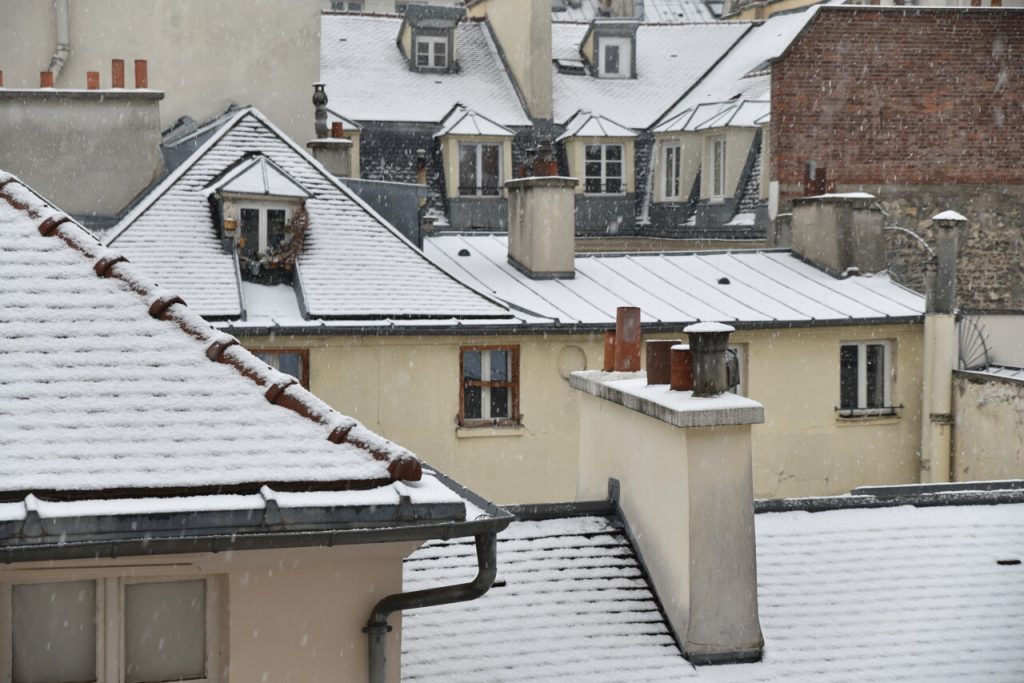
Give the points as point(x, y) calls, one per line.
point(678, 408)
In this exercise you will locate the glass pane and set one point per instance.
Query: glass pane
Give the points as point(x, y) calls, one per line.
point(467, 169)
point(290, 364)
point(593, 152)
point(275, 226)
point(613, 185)
point(249, 231)
point(875, 362)
point(593, 185)
point(471, 365)
point(440, 54)
point(165, 631)
point(423, 53)
point(500, 404)
point(54, 632)
point(499, 366)
point(613, 152)
point(471, 403)
point(490, 168)
point(611, 59)
point(593, 169)
point(848, 376)
point(613, 169)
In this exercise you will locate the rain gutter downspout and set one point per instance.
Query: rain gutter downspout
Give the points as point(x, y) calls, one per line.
point(63, 50)
point(377, 627)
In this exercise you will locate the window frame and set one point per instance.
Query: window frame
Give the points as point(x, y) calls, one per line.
point(111, 650)
point(263, 229)
point(303, 361)
point(432, 41)
point(674, 179)
point(625, 48)
point(888, 375)
point(718, 166)
point(604, 161)
point(477, 190)
point(515, 419)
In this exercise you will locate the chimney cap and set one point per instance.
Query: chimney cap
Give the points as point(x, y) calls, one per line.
point(708, 328)
point(949, 216)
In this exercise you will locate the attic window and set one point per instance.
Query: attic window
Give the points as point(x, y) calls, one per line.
point(431, 52)
point(615, 58)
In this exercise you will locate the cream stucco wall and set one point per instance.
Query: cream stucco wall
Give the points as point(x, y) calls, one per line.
point(204, 55)
point(737, 148)
point(575, 149)
point(407, 388)
point(988, 418)
point(450, 159)
point(285, 615)
point(691, 149)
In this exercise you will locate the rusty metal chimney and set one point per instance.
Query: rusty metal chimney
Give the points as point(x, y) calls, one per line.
point(709, 343)
point(627, 339)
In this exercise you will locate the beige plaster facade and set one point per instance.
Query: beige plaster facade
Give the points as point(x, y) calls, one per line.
point(450, 158)
point(575, 150)
point(277, 615)
point(407, 388)
point(988, 414)
point(690, 151)
point(204, 55)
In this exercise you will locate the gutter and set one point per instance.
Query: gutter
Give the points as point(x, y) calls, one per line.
point(63, 49)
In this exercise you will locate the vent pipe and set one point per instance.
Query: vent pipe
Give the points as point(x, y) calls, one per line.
point(320, 106)
point(63, 49)
point(709, 343)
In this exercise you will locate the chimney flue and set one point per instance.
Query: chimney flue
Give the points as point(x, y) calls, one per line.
point(117, 73)
point(682, 368)
point(45, 79)
point(320, 109)
point(92, 80)
point(709, 343)
point(141, 74)
point(542, 227)
point(627, 339)
point(337, 129)
point(942, 296)
point(659, 360)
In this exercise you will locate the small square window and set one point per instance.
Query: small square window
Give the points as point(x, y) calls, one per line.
point(489, 391)
point(432, 52)
point(294, 362)
point(165, 631)
point(615, 56)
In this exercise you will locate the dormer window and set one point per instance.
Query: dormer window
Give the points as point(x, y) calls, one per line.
point(431, 52)
point(615, 57)
point(609, 48)
point(427, 37)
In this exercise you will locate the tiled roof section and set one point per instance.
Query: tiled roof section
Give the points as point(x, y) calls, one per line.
point(893, 594)
point(653, 11)
point(763, 287)
point(353, 265)
point(112, 383)
point(368, 78)
point(570, 603)
point(669, 61)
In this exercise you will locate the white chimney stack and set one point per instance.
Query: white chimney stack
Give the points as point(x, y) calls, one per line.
point(542, 226)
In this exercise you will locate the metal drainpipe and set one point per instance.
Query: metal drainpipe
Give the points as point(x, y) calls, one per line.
point(60, 55)
point(377, 628)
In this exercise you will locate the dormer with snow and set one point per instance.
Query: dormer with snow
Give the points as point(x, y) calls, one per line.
point(260, 211)
point(427, 37)
point(609, 48)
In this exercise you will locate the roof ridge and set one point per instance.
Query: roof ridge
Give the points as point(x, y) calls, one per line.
point(279, 388)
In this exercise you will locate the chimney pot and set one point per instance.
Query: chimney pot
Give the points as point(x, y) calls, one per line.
point(320, 109)
point(337, 129)
point(609, 351)
point(92, 80)
point(710, 345)
point(141, 74)
point(682, 368)
point(117, 73)
point(659, 360)
point(45, 79)
point(941, 297)
point(627, 339)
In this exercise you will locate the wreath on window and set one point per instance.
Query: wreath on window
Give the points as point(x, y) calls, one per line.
point(287, 252)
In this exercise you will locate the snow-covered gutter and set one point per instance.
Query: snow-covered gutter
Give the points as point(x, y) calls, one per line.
point(63, 49)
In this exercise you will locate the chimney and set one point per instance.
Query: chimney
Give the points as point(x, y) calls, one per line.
point(841, 233)
point(141, 74)
point(541, 226)
point(92, 80)
point(659, 360)
point(523, 30)
point(710, 346)
point(45, 79)
point(330, 147)
point(942, 297)
point(627, 339)
point(682, 368)
point(117, 73)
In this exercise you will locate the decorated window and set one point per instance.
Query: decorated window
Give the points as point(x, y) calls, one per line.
point(479, 169)
point(603, 169)
point(489, 391)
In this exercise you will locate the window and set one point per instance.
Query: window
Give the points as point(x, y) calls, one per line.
point(670, 188)
point(489, 392)
point(294, 362)
point(261, 228)
point(603, 173)
point(479, 169)
point(614, 57)
point(864, 378)
point(111, 630)
point(431, 52)
point(717, 168)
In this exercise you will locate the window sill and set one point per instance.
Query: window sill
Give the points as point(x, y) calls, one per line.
point(867, 419)
point(485, 431)
point(605, 194)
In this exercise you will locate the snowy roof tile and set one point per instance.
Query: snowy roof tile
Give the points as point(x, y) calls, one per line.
point(652, 11)
point(353, 266)
point(462, 121)
point(259, 176)
point(110, 382)
point(763, 287)
point(710, 115)
point(585, 124)
point(368, 79)
point(901, 593)
point(670, 59)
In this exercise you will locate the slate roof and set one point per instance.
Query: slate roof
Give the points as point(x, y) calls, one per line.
point(368, 78)
point(764, 287)
point(895, 594)
point(111, 383)
point(654, 11)
point(670, 59)
point(353, 266)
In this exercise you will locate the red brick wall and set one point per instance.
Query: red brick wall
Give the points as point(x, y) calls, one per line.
point(902, 96)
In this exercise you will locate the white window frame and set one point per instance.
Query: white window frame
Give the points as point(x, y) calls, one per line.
point(110, 622)
point(862, 408)
point(717, 164)
point(625, 47)
point(478, 186)
point(671, 170)
point(604, 177)
point(264, 229)
point(431, 43)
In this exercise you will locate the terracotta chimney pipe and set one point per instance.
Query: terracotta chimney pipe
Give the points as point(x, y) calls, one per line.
point(682, 368)
point(659, 360)
point(141, 74)
point(609, 351)
point(92, 80)
point(117, 73)
point(337, 129)
point(627, 339)
point(45, 79)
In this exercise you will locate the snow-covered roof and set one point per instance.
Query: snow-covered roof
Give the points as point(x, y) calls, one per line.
point(734, 114)
point(1000, 371)
point(259, 176)
point(353, 266)
point(741, 287)
point(110, 382)
point(348, 123)
point(462, 121)
point(368, 79)
point(896, 594)
point(653, 11)
point(670, 59)
point(586, 124)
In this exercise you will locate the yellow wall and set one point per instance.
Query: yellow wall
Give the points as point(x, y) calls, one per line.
point(691, 147)
point(407, 388)
point(576, 148)
point(450, 158)
point(737, 148)
point(587, 48)
point(988, 427)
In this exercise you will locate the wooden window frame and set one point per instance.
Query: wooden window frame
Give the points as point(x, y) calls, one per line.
point(431, 42)
point(512, 384)
point(303, 359)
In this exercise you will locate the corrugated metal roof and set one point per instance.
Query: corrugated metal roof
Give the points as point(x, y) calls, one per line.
point(752, 287)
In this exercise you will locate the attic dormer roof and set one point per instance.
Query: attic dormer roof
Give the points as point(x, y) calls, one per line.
point(463, 121)
point(588, 125)
point(259, 175)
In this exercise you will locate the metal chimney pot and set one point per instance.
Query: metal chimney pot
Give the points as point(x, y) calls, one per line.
point(709, 343)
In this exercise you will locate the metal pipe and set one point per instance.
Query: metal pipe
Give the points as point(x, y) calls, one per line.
point(377, 627)
point(60, 55)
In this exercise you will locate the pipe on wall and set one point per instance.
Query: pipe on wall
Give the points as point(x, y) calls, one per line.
point(63, 49)
point(377, 627)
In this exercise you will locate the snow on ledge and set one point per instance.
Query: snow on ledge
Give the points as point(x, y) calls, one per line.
point(949, 216)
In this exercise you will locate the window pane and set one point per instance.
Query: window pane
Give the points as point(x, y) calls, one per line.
point(471, 365)
point(500, 404)
point(613, 169)
point(613, 185)
point(593, 169)
point(471, 403)
point(422, 53)
point(467, 169)
point(848, 376)
point(275, 227)
point(611, 59)
point(593, 152)
point(290, 364)
point(593, 186)
point(440, 54)
point(250, 231)
point(490, 166)
point(499, 366)
point(875, 361)
point(54, 632)
point(613, 152)
point(165, 631)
